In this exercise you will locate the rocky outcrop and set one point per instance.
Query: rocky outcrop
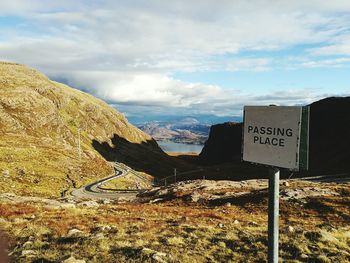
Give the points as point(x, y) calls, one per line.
point(329, 135)
point(227, 192)
point(223, 145)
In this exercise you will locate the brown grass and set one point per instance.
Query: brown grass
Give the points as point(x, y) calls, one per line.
point(185, 232)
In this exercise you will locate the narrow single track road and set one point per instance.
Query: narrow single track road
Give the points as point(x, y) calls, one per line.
point(93, 190)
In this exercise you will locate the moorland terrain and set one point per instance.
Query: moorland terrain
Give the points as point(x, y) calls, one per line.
point(55, 139)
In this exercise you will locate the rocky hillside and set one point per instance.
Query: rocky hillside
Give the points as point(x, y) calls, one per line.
point(329, 140)
point(329, 135)
point(223, 144)
point(42, 124)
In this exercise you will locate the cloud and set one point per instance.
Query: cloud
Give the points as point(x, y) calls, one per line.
point(162, 95)
point(126, 52)
point(334, 63)
point(340, 45)
point(169, 36)
point(145, 89)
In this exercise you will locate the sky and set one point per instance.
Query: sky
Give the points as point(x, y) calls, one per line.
point(185, 58)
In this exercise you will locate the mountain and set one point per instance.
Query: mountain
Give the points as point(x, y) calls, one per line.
point(223, 145)
point(52, 136)
point(329, 135)
point(187, 130)
point(200, 118)
point(329, 150)
point(158, 132)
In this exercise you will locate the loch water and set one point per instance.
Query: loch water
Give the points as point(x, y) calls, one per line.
point(169, 146)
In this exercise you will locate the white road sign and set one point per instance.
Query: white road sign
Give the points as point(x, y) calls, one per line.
point(272, 135)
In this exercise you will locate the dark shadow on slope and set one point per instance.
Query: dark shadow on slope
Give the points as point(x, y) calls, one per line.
point(144, 157)
point(326, 209)
point(329, 135)
point(254, 197)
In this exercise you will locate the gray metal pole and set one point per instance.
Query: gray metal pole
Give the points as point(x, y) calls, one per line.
point(175, 174)
point(274, 180)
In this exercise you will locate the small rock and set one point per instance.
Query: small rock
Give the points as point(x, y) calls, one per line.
point(156, 200)
point(74, 232)
point(221, 225)
point(28, 252)
point(88, 204)
point(73, 260)
point(236, 222)
point(147, 251)
point(106, 202)
point(290, 229)
point(156, 256)
point(304, 256)
point(162, 192)
point(195, 196)
point(28, 244)
point(9, 195)
point(67, 205)
point(19, 220)
point(228, 204)
point(159, 257)
point(162, 254)
point(100, 236)
point(105, 228)
point(30, 217)
point(285, 183)
point(6, 173)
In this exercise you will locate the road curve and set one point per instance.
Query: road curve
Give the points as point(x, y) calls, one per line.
point(93, 191)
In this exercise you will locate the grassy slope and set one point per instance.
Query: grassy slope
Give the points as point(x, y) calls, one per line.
point(39, 122)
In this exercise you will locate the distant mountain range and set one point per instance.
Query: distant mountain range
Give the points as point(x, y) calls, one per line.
point(188, 130)
point(201, 118)
point(183, 130)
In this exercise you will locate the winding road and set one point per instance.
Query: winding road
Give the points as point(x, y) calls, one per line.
point(93, 190)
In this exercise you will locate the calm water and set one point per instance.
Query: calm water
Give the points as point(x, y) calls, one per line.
point(179, 147)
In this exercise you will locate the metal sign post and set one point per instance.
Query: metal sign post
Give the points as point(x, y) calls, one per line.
point(273, 225)
point(278, 137)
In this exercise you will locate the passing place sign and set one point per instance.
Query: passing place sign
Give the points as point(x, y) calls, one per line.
point(276, 136)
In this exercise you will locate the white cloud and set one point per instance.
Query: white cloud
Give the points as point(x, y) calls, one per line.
point(335, 62)
point(174, 31)
point(340, 45)
point(250, 64)
point(159, 94)
point(126, 51)
point(146, 89)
